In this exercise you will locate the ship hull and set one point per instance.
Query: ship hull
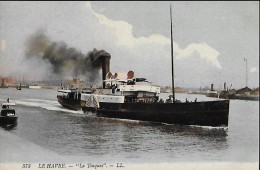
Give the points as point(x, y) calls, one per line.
point(70, 103)
point(211, 113)
point(7, 120)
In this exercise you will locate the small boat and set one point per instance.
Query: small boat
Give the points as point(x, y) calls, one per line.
point(19, 87)
point(8, 115)
point(34, 86)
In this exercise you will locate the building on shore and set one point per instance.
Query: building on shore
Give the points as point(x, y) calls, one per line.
point(247, 94)
point(244, 91)
point(7, 81)
point(168, 89)
point(179, 90)
point(255, 91)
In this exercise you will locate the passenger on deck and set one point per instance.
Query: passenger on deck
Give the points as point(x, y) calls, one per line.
point(161, 101)
point(177, 101)
point(113, 88)
point(169, 100)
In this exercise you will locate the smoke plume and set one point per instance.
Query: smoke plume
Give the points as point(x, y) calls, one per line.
point(65, 61)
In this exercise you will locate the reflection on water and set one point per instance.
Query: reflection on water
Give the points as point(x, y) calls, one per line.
point(133, 139)
point(88, 135)
point(9, 127)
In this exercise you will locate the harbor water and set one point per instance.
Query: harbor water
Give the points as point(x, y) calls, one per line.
point(47, 132)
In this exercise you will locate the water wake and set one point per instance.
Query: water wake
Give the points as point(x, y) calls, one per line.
point(46, 104)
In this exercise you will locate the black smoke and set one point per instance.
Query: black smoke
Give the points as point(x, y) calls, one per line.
point(65, 60)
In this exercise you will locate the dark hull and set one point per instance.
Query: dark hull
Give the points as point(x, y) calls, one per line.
point(211, 113)
point(6, 120)
point(70, 103)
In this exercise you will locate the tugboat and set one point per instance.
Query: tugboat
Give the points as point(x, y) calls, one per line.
point(34, 86)
point(8, 115)
point(227, 93)
point(212, 92)
point(19, 87)
point(136, 99)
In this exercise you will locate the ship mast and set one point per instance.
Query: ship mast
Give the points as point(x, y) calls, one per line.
point(246, 71)
point(173, 91)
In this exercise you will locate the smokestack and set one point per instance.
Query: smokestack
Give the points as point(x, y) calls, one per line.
point(102, 58)
point(225, 86)
point(105, 68)
point(211, 87)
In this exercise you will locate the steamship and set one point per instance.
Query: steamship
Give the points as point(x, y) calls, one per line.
point(212, 92)
point(137, 99)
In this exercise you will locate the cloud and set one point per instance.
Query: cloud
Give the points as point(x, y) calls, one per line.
point(83, 28)
point(124, 33)
point(203, 49)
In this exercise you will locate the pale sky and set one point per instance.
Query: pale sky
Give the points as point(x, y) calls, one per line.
point(211, 39)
